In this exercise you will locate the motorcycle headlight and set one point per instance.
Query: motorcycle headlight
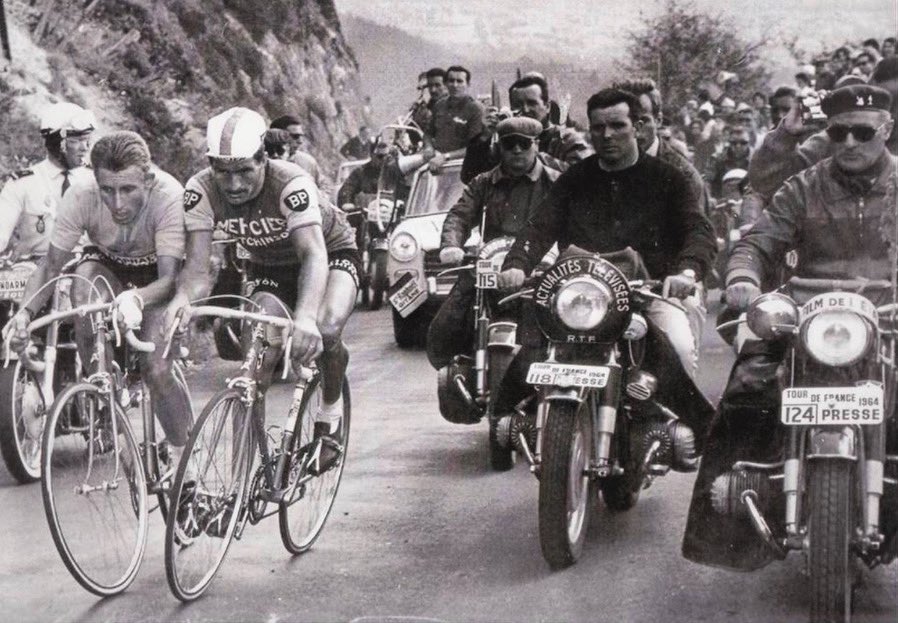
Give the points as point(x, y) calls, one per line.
point(403, 247)
point(582, 303)
point(837, 338)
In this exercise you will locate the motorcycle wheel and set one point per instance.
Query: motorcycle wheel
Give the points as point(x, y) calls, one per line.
point(501, 456)
point(565, 494)
point(829, 532)
point(20, 432)
point(377, 281)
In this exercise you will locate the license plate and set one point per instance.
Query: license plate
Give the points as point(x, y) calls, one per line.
point(487, 275)
point(805, 406)
point(407, 295)
point(567, 375)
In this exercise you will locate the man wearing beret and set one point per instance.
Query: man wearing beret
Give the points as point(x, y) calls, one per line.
point(839, 216)
point(507, 193)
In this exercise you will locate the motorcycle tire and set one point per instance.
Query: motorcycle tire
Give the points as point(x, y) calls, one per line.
point(15, 455)
point(501, 456)
point(564, 510)
point(829, 534)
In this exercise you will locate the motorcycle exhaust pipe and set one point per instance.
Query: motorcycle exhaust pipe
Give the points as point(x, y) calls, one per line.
point(750, 499)
point(525, 450)
point(459, 381)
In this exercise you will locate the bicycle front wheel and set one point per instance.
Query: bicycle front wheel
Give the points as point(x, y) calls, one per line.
point(209, 488)
point(94, 489)
point(303, 514)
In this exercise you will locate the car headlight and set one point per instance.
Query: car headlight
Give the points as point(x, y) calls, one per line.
point(403, 247)
point(837, 338)
point(582, 303)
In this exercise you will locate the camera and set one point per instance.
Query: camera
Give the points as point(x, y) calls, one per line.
point(811, 111)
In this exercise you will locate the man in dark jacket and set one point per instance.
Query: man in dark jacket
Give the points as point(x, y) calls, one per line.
point(617, 198)
point(839, 216)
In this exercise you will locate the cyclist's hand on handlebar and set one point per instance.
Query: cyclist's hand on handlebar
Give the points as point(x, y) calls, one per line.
point(452, 255)
point(16, 332)
point(306, 340)
point(680, 285)
point(740, 294)
point(511, 280)
point(130, 309)
point(179, 303)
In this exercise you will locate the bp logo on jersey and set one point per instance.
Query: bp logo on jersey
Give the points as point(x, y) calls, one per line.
point(191, 198)
point(297, 201)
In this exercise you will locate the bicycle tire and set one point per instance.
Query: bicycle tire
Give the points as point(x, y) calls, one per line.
point(163, 495)
point(206, 516)
point(290, 515)
point(20, 438)
point(97, 565)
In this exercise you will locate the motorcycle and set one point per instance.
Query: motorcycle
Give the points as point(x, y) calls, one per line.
point(825, 485)
point(724, 217)
point(25, 395)
point(383, 214)
point(600, 425)
point(467, 387)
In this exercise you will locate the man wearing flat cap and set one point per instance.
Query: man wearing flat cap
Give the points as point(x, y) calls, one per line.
point(506, 194)
point(839, 215)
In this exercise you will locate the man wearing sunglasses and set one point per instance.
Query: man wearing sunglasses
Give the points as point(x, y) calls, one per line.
point(735, 156)
point(839, 216)
point(507, 193)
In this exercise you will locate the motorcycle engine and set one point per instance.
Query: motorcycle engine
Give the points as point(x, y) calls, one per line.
point(727, 490)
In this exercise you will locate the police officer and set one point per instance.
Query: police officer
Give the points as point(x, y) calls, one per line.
point(28, 201)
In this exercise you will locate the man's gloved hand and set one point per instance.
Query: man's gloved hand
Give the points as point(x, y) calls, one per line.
point(680, 285)
point(511, 279)
point(452, 255)
point(16, 330)
point(306, 340)
point(130, 309)
point(740, 294)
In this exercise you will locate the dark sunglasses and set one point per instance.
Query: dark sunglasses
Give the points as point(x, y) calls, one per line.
point(738, 142)
point(863, 133)
point(512, 140)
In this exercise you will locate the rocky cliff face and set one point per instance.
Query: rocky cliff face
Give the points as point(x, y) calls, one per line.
point(163, 67)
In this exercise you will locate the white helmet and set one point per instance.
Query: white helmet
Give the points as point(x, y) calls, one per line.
point(235, 134)
point(67, 119)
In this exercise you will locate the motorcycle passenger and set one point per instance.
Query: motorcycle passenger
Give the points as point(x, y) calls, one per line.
point(29, 201)
point(621, 197)
point(508, 193)
point(839, 215)
point(131, 211)
point(272, 208)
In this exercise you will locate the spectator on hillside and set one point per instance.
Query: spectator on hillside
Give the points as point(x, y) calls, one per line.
point(864, 63)
point(889, 46)
point(762, 111)
point(296, 154)
point(841, 62)
point(781, 102)
point(277, 144)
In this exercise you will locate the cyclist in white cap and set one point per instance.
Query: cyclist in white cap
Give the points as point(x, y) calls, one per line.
point(272, 208)
point(28, 202)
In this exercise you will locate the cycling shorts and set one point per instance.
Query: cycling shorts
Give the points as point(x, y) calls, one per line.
point(282, 280)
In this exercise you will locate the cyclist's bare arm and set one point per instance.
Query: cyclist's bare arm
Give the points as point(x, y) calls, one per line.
point(195, 281)
point(308, 243)
point(161, 290)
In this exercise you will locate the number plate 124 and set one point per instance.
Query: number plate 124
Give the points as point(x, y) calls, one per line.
point(803, 406)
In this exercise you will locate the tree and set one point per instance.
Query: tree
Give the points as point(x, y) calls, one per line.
point(685, 50)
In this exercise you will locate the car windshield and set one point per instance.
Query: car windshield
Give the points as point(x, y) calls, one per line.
point(432, 194)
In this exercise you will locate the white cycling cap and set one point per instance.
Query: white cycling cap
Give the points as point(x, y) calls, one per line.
point(236, 133)
point(734, 174)
point(67, 119)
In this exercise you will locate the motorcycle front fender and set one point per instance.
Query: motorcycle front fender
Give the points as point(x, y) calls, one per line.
point(566, 394)
point(832, 443)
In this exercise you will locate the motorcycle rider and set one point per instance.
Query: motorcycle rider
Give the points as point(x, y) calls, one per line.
point(509, 192)
point(272, 208)
point(620, 197)
point(29, 201)
point(131, 211)
point(839, 216)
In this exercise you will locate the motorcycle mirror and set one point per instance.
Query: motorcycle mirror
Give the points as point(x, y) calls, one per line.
point(772, 315)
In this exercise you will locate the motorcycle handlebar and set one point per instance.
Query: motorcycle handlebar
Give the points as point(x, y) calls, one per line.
point(840, 284)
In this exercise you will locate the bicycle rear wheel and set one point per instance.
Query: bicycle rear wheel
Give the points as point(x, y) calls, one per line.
point(302, 518)
point(210, 485)
point(94, 490)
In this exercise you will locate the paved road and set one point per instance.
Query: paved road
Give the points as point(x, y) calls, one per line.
point(423, 529)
